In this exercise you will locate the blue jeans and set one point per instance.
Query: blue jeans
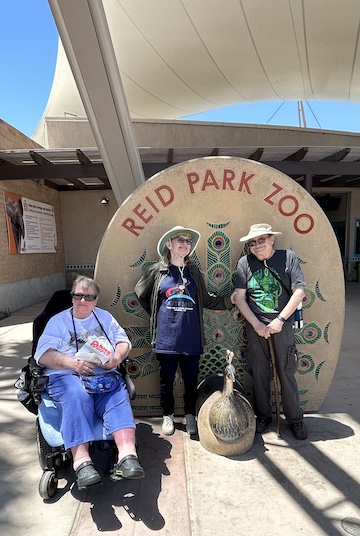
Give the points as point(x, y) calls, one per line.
point(189, 366)
point(77, 407)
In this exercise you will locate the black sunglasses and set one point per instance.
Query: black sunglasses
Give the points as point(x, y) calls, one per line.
point(182, 240)
point(87, 297)
point(259, 241)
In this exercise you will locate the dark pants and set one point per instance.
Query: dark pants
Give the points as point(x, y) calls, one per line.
point(286, 366)
point(189, 366)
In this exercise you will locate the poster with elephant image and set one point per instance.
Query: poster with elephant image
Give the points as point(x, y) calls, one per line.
point(30, 224)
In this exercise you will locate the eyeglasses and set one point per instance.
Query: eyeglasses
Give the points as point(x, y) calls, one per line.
point(87, 297)
point(182, 240)
point(257, 242)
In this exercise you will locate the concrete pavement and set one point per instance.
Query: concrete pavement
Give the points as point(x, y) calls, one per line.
point(282, 487)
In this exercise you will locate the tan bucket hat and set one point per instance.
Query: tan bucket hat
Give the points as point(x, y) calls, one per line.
point(178, 230)
point(259, 229)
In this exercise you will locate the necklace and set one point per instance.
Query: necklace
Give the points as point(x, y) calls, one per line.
point(183, 279)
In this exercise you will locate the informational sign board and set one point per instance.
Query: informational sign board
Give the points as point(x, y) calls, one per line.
point(31, 225)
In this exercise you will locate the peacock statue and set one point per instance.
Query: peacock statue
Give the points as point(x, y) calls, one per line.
point(226, 421)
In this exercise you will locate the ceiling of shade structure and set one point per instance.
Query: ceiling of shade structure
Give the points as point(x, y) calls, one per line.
point(182, 57)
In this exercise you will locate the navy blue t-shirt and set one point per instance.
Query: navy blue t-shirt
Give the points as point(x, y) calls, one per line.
point(178, 324)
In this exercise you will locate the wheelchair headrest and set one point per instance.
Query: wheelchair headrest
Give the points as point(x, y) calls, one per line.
point(60, 300)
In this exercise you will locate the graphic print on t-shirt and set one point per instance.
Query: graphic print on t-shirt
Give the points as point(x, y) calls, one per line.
point(178, 324)
point(265, 290)
point(178, 300)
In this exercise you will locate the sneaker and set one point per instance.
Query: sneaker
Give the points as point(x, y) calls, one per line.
point(262, 425)
point(299, 430)
point(191, 427)
point(168, 427)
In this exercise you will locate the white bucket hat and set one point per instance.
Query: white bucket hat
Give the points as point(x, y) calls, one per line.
point(259, 229)
point(178, 230)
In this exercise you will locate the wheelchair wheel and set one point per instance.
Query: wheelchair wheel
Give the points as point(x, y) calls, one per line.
point(48, 485)
point(43, 447)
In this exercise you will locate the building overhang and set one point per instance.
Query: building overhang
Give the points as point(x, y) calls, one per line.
point(83, 169)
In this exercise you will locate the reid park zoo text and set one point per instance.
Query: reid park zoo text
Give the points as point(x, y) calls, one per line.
point(163, 196)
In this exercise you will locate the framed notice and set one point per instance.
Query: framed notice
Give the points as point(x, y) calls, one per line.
point(31, 225)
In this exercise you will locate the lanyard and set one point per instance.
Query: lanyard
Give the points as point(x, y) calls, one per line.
point(100, 324)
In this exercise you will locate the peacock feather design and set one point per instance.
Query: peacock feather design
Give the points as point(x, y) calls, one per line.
point(222, 329)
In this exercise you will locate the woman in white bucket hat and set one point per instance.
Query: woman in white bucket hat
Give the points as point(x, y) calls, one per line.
point(269, 288)
point(173, 292)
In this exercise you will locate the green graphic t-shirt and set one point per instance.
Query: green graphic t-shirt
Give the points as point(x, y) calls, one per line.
point(266, 295)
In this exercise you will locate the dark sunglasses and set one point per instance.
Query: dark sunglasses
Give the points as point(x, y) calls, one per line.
point(182, 240)
point(87, 297)
point(259, 241)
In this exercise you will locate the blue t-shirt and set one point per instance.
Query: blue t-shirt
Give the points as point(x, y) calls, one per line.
point(178, 323)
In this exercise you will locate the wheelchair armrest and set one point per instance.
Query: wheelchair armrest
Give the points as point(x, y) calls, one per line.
point(34, 367)
point(38, 380)
point(129, 383)
point(30, 384)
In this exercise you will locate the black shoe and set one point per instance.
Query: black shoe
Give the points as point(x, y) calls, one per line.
point(128, 467)
point(299, 430)
point(262, 425)
point(87, 475)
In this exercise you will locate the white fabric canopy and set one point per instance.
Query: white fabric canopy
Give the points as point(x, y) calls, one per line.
point(181, 57)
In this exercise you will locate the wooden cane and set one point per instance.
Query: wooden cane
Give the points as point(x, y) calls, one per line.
point(277, 400)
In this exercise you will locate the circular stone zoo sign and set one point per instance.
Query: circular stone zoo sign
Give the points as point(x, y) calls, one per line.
point(221, 197)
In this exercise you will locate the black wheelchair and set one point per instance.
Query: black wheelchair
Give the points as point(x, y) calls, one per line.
point(31, 391)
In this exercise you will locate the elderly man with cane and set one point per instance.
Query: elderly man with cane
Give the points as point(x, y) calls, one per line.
point(269, 289)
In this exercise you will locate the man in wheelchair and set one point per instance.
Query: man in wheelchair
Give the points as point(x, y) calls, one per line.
point(80, 349)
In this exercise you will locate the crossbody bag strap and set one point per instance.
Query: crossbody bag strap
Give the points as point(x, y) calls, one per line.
point(278, 278)
point(251, 260)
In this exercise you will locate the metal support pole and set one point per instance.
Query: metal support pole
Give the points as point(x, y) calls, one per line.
point(308, 182)
point(92, 59)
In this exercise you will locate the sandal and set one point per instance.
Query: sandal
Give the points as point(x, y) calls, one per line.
point(87, 475)
point(128, 467)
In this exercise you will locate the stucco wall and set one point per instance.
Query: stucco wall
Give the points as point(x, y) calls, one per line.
point(10, 138)
point(76, 132)
point(85, 220)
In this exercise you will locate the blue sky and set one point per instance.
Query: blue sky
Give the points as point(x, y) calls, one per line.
point(28, 44)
